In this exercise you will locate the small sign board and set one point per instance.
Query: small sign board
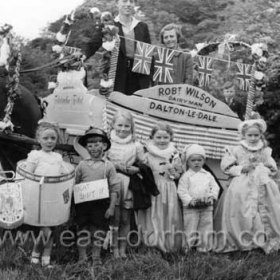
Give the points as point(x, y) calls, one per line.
point(90, 191)
point(11, 205)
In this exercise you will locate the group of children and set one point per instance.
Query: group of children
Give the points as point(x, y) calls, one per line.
point(181, 212)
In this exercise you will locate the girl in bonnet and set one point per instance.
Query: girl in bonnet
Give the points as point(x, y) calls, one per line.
point(247, 216)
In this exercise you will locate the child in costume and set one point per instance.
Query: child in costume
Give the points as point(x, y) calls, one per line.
point(197, 190)
point(93, 216)
point(247, 216)
point(163, 219)
point(125, 152)
point(45, 162)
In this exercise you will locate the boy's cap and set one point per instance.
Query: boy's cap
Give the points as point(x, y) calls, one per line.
point(194, 149)
point(95, 132)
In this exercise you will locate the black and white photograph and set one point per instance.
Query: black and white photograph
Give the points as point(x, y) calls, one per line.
point(139, 139)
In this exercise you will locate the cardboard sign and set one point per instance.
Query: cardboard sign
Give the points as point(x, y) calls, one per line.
point(89, 191)
point(187, 95)
point(175, 113)
point(11, 205)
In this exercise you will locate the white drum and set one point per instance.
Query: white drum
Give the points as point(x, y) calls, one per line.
point(46, 200)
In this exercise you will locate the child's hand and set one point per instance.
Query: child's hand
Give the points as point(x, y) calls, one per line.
point(210, 200)
point(193, 202)
point(109, 212)
point(131, 170)
point(247, 168)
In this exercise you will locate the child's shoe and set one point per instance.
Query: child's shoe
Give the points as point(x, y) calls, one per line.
point(35, 258)
point(46, 262)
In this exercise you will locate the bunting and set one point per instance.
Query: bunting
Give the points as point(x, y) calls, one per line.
point(143, 58)
point(164, 66)
point(204, 70)
point(244, 75)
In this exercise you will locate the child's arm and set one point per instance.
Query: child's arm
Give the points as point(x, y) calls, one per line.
point(31, 161)
point(114, 188)
point(183, 191)
point(229, 164)
point(213, 189)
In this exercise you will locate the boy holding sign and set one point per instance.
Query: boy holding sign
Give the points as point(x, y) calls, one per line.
point(96, 192)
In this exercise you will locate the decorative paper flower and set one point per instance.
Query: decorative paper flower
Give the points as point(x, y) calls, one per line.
point(51, 85)
point(57, 48)
point(109, 45)
point(61, 37)
point(193, 53)
point(4, 52)
point(257, 50)
point(106, 84)
point(259, 75)
point(95, 11)
point(200, 46)
point(6, 125)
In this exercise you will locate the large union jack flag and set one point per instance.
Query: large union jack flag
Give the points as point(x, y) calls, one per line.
point(143, 58)
point(244, 75)
point(204, 70)
point(164, 66)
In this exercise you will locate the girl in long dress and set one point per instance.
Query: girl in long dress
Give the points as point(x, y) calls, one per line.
point(124, 153)
point(248, 214)
point(162, 223)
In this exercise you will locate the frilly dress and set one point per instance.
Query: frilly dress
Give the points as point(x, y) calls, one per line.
point(248, 214)
point(163, 219)
point(48, 163)
point(124, 153)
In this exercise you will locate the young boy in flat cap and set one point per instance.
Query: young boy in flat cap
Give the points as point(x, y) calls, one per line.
point(197, 190)
point(93, 216)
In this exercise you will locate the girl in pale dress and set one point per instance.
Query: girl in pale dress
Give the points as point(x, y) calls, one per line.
point(45, 162)
point(124, 153)
point(162, 223)
point(248, 216)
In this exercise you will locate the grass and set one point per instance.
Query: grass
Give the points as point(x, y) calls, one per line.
point(143, 263)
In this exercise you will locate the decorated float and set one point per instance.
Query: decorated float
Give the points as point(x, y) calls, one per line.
point(208, 113)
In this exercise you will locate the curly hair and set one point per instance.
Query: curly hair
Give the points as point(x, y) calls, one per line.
point(162, 126)
point(169, 27)
point(45, 126)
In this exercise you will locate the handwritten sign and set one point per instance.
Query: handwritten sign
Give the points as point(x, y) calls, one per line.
point(187, 95)
point(89, 191)
point(173, 112)
point(71, 106)
point(11, 205)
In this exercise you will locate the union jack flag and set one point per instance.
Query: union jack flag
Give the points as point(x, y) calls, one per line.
point(164, 66)
point(204, 70)
point(244, 75)
point(143, 58)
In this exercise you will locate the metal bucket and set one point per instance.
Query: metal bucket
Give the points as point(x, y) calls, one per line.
point(46, 200)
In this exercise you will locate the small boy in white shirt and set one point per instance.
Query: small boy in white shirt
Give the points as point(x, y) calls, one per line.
point(197, 190)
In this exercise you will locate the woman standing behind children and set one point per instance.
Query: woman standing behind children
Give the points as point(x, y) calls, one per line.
point(197, 190)
point(93, 216)
point(124, 153)
point(163, 219)
point(45, 162)
point(248, 213)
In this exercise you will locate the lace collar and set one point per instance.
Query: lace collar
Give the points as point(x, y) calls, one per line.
point(166, 153)
point(119, 140)
point(258, 147)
